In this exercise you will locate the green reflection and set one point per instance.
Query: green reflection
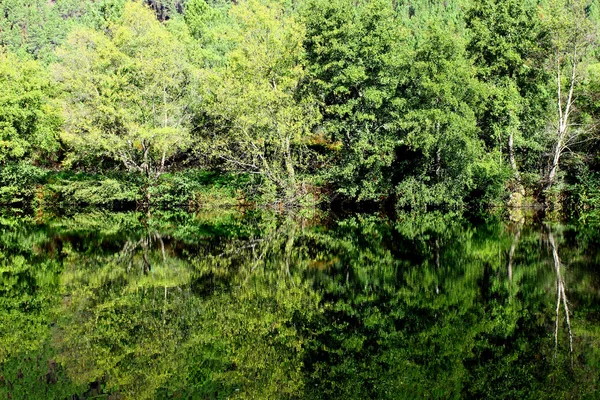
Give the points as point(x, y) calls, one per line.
point(254, 305)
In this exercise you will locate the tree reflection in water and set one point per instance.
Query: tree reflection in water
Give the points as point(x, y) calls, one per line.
point(260, 306)
point(561, 297)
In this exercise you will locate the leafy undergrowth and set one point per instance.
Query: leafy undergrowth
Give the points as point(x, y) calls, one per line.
point(66, 193)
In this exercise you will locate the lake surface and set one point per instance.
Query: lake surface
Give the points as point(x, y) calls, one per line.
point(252, 305)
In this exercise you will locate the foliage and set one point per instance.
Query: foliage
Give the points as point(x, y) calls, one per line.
point(418, 104)
point(29, 27)
point(19, 184)
point(125, 94)
point(255, 122)
point(508, 43)
point(29, 123)
point(209, 25)
point(61, 192)
point(36, 27)
point(257, 306)
point(441, 147)
point(573, 35)
point(355, 58)
point(197, 189)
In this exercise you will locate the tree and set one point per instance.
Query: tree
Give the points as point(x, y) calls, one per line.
point(508, 44)
point(440, 150)
point(254, 118)
point(29, 123)
point(356, 52)
point(37, 27)
point(29, 27)
point(125, 94)
point(29, 128)
point(573, 35)
point(210, 26)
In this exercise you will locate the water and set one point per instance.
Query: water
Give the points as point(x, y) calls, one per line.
point(231, 305)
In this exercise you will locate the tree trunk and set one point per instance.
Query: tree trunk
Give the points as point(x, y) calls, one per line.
point(564, 112)
point(511, 253)
point(289, 166)
point(511, 155)
point(561, 297)
point(556, 158)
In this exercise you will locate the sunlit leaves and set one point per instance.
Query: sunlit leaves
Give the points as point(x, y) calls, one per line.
point(125, 93)
point(255, 117)
point(28, 121)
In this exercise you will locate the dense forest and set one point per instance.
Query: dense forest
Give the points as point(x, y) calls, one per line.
point(405, 103)
point(299, 199)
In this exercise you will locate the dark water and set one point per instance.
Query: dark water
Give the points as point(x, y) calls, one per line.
point(120, 306)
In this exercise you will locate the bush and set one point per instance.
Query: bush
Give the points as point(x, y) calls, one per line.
point(66, 192)
point(18, 184)
point(194, 189)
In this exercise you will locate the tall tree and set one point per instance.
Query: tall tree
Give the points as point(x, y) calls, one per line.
point(125, 93)
point(440, 150)
point(255, 121)
point(210, 25)
point(29, 27)
point(573, 35)
point(38, 27)
point(356, 53)
point(508, 43)
point(29, 123)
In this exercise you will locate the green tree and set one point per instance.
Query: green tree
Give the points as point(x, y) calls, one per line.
point(356, 53)
point(508, 44)
point(30, 27)
point(29, 128)
point(37, 27)
point(254, 120)
point(440, 149)
point(573, 34)
point(29, 123)
point(210, 25)
point(125, 94)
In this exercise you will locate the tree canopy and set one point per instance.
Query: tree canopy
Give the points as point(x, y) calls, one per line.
point(414, 104)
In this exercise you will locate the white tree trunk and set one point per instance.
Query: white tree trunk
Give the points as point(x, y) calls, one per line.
point(511, 155)
point(564, 112)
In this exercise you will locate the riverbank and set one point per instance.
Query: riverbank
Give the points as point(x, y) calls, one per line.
point(33, 191)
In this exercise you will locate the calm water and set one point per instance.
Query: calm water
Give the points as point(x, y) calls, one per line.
point(226, 305)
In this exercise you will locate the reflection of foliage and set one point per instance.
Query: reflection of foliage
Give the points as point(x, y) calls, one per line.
point(29, 286)
point(28, 282)
point(256, 306)
point(256, 331)
point(125, 316)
